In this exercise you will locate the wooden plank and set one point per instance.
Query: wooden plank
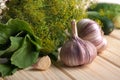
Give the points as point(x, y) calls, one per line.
point(112, 54)
point(113, 45)
point(99, 69)
point(116, 34)
point(52, 73)
point(111, 57)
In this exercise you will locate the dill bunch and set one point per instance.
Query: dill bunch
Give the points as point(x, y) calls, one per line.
point(48, 18)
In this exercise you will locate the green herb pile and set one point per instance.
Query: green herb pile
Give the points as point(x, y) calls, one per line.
point(48, 18)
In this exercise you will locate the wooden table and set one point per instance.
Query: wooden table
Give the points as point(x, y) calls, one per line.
point(106, 66)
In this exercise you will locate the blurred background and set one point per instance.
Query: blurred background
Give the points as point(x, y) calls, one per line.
point(110, 1)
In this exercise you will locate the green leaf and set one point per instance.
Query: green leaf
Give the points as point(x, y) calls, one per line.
point(11, 28)
point(18, 25)
point(15, 44)
point(54, 56)
point(35, 41)
point(4, 33)
point(14, 70)
point(6, 69)
point(18, 45)
point(26, 55)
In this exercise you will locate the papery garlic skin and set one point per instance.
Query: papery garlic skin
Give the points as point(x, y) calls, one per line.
point(43, 63)
point(102, 46)
point(91, 31)
point(76, 51)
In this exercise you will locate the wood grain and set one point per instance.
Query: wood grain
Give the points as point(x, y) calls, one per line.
point(100, 69)
point(113, 45)
point(116, 34)
point(111, 57)
point(112, 54)
point(52, 73)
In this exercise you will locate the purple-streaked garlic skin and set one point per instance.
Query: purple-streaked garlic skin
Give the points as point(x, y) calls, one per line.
point(76, 51)
point(90, 30)
point(103, 45)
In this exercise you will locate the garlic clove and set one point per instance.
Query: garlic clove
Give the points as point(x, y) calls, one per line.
point(102, 46)
point(92, 53)
point(91, 31)
point(76, 51)
point(70, 53)
point(43, 63)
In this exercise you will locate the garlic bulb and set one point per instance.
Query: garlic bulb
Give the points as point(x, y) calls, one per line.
point(76, 51)
point(90, 30)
